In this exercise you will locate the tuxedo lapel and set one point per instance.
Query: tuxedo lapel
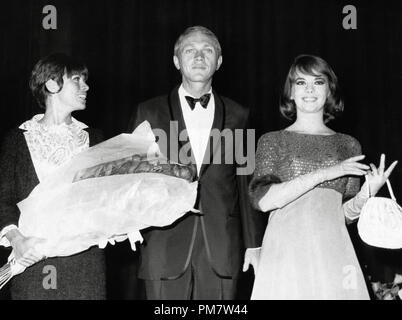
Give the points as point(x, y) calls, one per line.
point(218, 123)
point(176, 114)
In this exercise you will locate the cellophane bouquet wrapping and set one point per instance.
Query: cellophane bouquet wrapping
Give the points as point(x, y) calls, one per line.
point(108, 193)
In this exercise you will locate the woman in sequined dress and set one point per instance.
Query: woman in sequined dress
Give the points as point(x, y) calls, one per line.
point(307, 177)
point(30, 153)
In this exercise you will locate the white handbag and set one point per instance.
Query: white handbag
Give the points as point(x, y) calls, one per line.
point(380, 222)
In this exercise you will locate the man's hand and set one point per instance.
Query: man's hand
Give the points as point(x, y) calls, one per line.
point(251, 256)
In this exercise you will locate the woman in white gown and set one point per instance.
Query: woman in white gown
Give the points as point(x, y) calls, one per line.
point(307, 177)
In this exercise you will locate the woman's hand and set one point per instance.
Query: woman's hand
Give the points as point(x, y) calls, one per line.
point(24, 248)
point(350, 166)
point(377, 176)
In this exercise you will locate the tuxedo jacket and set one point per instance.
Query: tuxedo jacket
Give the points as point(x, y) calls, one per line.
point(227, 221)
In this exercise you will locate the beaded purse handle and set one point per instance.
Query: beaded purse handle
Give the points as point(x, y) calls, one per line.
point(390, 190)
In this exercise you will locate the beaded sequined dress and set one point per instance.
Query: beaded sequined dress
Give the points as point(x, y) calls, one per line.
point(306, 252)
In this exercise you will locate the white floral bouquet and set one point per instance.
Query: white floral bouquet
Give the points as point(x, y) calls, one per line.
point(105, 194)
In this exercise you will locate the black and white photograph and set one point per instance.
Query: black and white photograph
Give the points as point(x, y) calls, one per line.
point(223, 151)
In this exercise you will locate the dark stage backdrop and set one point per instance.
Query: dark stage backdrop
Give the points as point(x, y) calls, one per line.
point(128, 47)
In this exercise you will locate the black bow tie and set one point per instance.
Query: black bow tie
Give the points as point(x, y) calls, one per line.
point(203, 100)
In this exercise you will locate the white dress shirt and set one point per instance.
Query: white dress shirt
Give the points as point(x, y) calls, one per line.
point(198, 123)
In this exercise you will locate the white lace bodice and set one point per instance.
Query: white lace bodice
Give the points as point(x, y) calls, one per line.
point(52, 146)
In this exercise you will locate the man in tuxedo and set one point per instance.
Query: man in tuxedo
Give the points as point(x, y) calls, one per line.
point(200, 255)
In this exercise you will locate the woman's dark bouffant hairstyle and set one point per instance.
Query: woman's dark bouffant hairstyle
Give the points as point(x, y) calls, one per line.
point(311, 65)
point(54, 66)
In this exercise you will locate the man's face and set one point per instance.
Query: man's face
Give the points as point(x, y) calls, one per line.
point(197, 59)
